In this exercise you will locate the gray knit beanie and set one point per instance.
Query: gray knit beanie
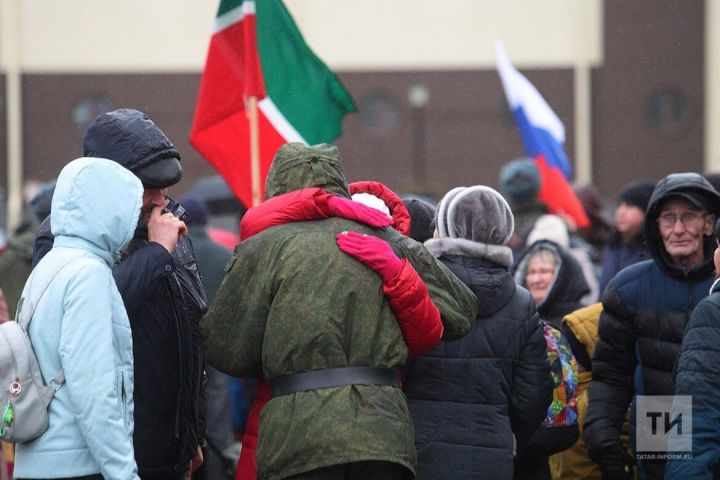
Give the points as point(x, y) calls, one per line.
point(479, 214)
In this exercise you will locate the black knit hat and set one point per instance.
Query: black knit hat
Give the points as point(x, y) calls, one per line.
point(41, 201)
point(637, 193)
point(196, 207)
point(422, 217)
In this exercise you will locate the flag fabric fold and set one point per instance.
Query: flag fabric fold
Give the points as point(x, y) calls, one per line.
point(543, 137)
point(257, 51)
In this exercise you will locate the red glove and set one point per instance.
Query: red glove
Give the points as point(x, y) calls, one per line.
point(372, 251)
point(346, 208)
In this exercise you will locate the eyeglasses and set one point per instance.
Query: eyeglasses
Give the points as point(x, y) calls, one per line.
point(540, 272)
point(688, 219)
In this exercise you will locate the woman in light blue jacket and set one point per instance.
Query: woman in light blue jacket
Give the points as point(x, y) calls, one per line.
point(80, 328)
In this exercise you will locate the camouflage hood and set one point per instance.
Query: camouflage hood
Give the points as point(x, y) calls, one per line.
point(297, 166)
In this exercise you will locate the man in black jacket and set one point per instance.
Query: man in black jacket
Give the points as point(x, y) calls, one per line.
point(645, 310)
point(158, 279)
point(212, 259)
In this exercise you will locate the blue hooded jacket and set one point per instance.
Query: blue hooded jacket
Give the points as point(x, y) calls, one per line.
point(80, 326)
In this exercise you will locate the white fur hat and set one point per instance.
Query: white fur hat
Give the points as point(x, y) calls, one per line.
point(371, 201)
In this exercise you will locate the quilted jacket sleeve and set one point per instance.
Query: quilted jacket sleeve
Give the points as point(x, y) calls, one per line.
point(298, 205)
point(417, 315)
point(613, 364)
point(455, 301)
point(696, 375)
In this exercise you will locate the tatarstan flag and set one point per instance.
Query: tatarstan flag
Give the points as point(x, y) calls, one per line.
point(257, 51)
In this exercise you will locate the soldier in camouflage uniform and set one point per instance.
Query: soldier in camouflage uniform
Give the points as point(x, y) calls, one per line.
point(291, 304)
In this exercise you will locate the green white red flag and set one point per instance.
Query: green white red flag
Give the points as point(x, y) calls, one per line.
point(258, 52)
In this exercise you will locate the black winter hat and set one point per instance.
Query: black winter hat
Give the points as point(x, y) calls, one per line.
point(195, 207)
point(691, 186)
point(41, 201)
point(637, 193)
point(422, 217)
point(129, 137)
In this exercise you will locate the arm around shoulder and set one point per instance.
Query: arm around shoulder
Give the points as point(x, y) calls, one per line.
point(456, 302)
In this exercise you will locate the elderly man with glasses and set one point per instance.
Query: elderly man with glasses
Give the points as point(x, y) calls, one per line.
point(645, 310)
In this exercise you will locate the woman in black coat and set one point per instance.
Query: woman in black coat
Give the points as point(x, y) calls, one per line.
point(475, 400)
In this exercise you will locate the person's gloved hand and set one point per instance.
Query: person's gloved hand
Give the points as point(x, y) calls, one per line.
point(616, 463)
point(346, 208)
point(372, 251)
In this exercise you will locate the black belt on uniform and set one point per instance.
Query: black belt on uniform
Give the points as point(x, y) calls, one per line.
point(334, 377)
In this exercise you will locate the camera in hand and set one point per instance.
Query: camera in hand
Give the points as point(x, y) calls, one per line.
point(177, 210)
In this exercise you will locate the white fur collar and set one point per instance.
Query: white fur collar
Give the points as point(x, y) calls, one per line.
point(499, 254)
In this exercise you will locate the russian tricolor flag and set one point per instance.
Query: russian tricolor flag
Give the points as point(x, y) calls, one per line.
point(543, 136)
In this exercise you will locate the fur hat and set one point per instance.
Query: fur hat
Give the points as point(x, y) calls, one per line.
point(371, 201)
point(476, 213)
point(381, 197)
point(520, 180)
point(473, 222)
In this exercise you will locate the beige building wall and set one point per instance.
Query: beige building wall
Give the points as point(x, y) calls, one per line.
point(172, 35)
point(712, 85)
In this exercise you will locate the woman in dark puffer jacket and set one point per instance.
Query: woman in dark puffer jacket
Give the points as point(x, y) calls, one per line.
point(474, 400)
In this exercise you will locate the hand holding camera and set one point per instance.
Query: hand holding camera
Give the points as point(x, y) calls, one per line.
point(166, 224)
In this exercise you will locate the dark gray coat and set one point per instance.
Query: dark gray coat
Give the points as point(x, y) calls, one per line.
point(468, 398)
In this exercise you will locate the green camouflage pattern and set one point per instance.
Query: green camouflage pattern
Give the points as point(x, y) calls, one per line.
point(291, 301)
point(15, 268)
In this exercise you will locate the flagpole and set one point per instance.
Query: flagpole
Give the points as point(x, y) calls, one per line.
point(254, 149)
point(10, 57)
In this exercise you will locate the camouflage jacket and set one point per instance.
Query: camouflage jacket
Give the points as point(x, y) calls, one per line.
point(15, 268)
point(291, 302)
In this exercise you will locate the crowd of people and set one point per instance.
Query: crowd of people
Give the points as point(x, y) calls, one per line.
point(377, 335)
